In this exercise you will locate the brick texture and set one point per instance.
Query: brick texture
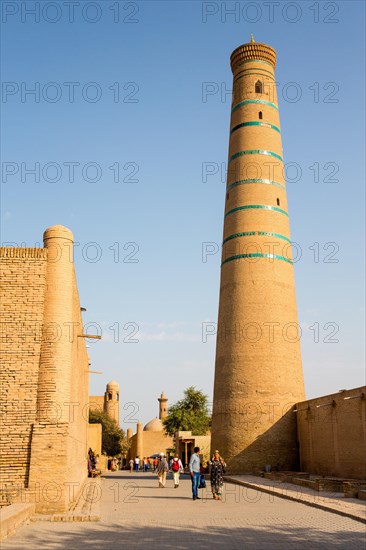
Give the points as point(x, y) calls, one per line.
point(23, 284)
point(332, 434)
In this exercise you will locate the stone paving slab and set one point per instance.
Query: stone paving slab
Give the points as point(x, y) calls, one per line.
point(136, 514)
point(332, 502)
point(86, 507)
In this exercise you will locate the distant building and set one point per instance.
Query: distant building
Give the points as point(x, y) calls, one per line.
point(109, 402)
point(151, 439)
point(185, 443)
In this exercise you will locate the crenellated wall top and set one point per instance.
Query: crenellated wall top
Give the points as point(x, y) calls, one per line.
point(9, 252)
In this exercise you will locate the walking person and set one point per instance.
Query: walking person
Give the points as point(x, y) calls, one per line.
point(217, 475)
point(162, 470)
point(137, 464)
point(177, 468)
point(195, 471)
point(131, 463)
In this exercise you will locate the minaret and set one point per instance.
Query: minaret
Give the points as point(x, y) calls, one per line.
point(111, 400)
point(163, 408)
point(258, 372)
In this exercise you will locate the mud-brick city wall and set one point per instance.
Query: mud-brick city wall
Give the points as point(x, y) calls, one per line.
point(23, 282)
point(46, 374)
point(332, 434)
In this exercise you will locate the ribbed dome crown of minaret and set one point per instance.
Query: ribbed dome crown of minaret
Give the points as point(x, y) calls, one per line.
point(113, 384)
point(252, 51)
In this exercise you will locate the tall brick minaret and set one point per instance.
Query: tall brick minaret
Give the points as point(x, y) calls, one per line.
point(163, 408)
point(258, 372)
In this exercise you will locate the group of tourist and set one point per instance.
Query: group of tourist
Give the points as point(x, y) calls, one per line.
point(216, 468)
point(145, 464)
point(113, 464)
point(163, 468)
point(93, 460)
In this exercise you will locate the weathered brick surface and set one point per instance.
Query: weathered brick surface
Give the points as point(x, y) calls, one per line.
point(332, 434)
point(23, 283)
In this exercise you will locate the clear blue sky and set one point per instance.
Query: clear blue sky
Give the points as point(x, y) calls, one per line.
point(161, 131)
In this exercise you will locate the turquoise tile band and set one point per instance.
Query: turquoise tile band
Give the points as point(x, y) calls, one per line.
point(256, 233)
point(255, 152)
point(256, 206)
point(254, 123)
point(258, 101)
point(257, 255)
point(255, 180)
point(255, 61)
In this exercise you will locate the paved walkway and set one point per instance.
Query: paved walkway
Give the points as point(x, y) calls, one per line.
point(136, 514)
point(335, 502)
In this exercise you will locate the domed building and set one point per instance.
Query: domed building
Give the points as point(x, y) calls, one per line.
point(151, 439)
point(155, 425)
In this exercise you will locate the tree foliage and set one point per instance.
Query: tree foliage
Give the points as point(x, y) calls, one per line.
point(114, 441)
point(189, 414)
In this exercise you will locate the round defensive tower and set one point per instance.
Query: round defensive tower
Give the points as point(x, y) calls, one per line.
point(258, 372)
point(56, 349)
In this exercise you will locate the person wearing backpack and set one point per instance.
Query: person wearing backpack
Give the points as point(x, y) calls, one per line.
point(177, 468)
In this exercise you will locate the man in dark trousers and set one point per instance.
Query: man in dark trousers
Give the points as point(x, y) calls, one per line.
point(195, 471)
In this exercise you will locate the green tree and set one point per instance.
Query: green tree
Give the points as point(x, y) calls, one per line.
point(114, 441)
point(189, 414)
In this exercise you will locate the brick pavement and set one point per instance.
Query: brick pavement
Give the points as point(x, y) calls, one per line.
point(326, 500)
point(135, 514)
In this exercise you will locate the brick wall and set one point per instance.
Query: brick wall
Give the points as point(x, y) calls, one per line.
point(94, 438)
point(153, 442)
point(23, 281)
point(332, 434)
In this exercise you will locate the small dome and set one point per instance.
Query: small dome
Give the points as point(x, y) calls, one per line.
point(155, 425)
point(112, 385)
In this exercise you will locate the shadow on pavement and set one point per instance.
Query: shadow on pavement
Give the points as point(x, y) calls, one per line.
point(182, 537)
